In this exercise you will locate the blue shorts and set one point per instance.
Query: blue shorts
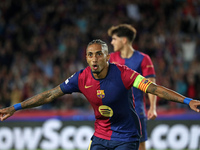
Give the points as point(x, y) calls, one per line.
point(102, 144)
point(144, 129)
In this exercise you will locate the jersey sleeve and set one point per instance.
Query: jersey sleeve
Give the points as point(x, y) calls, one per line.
point(71, 84)
point(147, 67)
point(132, 78)
point(128, 76)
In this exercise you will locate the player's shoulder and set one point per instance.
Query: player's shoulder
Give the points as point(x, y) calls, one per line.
point(84, 75)
point(118, 66)
point(85, 71)
point(115, 65)
point(144, 54)
point(112, 54)
point(145, 57)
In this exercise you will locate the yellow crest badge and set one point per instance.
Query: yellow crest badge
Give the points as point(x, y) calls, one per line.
point(105, 111)
point(100, 94)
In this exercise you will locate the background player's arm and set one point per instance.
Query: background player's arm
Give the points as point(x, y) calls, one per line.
point(34, 101)
point(148, 69)
point(171, 95)
point(152, 114)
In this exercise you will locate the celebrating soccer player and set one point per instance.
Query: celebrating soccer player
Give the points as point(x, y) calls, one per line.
point(107, 87)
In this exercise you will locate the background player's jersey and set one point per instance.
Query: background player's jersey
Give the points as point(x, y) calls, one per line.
point(141, 63)
point(111, 99)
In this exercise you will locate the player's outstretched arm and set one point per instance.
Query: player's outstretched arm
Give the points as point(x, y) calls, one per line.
point(34, 101)
point(171, 95)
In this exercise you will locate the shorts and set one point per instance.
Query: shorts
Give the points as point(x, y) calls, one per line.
point(144, 129)
point(102, 144)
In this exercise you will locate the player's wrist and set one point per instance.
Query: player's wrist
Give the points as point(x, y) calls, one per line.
point(187, 100)
point(17, 106)
point(152, 107)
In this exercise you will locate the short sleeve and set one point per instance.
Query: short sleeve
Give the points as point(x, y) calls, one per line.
point(128, 75)
point(71, 84)
point(147, 67)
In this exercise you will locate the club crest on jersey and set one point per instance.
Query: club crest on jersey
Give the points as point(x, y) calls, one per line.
point(100, 94)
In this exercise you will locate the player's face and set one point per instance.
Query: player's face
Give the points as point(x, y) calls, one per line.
point(117, 43)
point(97, 59)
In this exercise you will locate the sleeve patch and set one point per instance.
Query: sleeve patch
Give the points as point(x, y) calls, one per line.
point(141, 83)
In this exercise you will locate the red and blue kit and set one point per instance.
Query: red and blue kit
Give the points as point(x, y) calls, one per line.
point(141, 63)
point(111, 99)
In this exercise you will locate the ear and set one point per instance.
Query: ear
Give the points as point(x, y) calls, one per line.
point(108, 57)
point(124, 40)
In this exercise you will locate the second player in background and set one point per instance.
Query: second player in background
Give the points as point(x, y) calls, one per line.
point(123, 36)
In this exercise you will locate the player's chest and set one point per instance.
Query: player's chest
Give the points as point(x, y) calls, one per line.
point(134, 64)
point(103, 91)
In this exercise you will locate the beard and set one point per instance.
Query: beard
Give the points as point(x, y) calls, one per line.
point(96, 72)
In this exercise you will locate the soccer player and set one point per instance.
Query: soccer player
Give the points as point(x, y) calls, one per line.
point(123, 36)
point(107, 87)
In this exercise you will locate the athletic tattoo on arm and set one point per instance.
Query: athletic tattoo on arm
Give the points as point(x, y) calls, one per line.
point(42, 98)
point(165, 93)
point(169, 96)
point(152, 89)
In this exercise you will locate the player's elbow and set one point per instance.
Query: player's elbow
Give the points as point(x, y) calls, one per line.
point(154, 89)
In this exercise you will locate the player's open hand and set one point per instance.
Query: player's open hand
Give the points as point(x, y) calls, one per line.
point(6, 112)
point(195, 105)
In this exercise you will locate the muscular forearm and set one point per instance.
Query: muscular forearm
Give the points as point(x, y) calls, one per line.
point(37, 100)
point(165, 93)
point(42, 98)
point(34, 101)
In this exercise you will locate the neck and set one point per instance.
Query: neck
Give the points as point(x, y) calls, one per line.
point(103, 73)
point(127, 51)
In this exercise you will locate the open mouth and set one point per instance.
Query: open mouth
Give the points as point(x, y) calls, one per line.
point(95, 67)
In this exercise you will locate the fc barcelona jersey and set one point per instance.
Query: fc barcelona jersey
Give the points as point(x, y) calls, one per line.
point(141, 63)
point(111, 99)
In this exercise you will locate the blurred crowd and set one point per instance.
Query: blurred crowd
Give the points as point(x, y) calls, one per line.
point(42, 43)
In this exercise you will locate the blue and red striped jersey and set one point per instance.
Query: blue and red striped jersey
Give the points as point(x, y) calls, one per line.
point(141, 63)
point(111, 99)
